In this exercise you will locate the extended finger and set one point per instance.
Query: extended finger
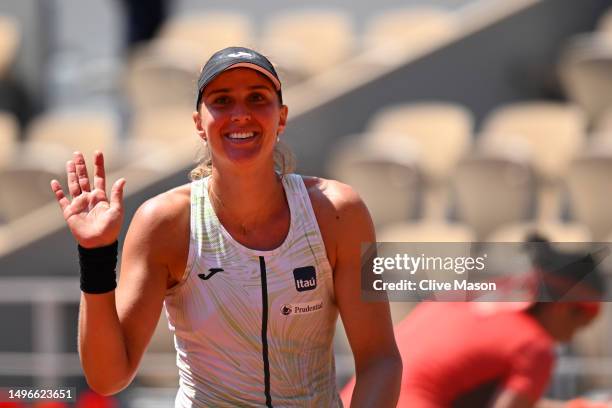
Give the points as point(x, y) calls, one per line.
point(99, 173)
point(81, 171)
point(116, 199)
point(73, 180)
point(59, 194)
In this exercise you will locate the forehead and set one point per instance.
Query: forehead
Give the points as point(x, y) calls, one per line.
point(239, 78)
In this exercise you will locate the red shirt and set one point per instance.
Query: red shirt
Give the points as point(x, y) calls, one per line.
point(456, 354)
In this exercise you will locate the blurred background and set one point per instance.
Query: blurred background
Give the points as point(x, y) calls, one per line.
point(456, 120)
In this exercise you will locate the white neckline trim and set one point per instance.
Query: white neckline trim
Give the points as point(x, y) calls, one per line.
point(289, 193)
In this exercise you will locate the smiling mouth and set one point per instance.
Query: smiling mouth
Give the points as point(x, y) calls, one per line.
point(241, 135)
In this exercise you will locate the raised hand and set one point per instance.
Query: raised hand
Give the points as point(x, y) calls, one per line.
point(92, 218)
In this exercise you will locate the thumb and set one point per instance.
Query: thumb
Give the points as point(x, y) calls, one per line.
point(116, 198)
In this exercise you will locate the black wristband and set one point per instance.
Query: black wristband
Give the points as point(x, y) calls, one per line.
point(98, 268)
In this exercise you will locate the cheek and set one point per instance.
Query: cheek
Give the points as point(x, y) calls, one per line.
point(268, 117)
point(212, 122)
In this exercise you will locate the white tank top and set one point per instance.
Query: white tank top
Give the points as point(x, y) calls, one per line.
point(254, 328)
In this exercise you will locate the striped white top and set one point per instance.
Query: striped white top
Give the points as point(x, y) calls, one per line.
point(254, 328)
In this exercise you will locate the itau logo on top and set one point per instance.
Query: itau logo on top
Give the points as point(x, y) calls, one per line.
point(305, 278)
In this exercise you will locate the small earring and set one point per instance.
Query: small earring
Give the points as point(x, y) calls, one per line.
point(277, 139)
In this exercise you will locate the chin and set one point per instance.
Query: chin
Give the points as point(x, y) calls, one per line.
point(248, 157)
point(244, 160)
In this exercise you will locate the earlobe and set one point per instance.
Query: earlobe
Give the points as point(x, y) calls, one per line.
point(283, 119)
point(197, 120)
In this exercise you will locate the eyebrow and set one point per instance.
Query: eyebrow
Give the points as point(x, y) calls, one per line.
point(226, 90)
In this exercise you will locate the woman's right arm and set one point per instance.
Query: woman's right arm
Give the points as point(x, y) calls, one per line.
point(115, 327)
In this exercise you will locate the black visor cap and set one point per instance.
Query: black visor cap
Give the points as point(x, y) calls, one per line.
point(236, 57)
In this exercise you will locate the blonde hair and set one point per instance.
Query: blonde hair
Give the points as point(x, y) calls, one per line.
point(284, 162)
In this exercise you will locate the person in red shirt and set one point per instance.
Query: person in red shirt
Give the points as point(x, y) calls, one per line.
point(473, 355)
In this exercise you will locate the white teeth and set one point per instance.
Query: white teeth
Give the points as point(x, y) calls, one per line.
point(240, 135)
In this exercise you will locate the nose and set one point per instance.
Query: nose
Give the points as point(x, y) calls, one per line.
point(240, 114)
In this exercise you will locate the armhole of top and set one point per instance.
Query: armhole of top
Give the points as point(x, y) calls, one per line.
point(310, 210)
point(311, 214)
point(191, 255)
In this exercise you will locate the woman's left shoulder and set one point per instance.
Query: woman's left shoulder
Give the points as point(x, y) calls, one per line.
point(341, 214)
point(331, 198)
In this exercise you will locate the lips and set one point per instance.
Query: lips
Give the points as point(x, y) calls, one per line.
point(241, 136)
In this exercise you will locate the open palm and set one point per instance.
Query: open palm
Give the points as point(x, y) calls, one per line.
point(94, 220)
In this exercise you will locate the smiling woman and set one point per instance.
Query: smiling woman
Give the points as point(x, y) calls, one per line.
point(259, 96)
point(254, 264)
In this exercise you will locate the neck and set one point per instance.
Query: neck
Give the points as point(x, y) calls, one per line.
point(246, 200)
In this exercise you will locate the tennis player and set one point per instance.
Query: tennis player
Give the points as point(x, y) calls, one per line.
point(252, 262)
point(476, 355)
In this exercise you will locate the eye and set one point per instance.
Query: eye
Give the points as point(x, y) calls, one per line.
point(221, 100)
point(257, 97)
